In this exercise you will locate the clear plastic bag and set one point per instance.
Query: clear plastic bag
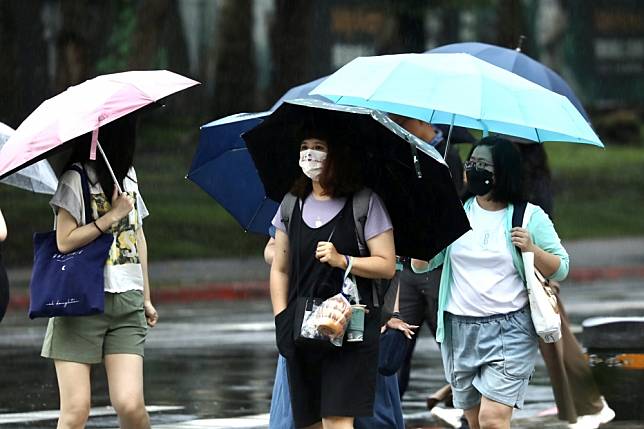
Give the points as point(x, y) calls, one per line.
point(328, 320)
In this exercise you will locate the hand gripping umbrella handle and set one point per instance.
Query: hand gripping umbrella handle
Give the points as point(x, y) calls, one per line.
point(109, 167)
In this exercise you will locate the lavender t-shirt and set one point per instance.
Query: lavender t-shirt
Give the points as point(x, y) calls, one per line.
point(317, 213)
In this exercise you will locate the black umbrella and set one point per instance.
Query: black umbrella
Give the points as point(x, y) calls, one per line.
point(407, 173)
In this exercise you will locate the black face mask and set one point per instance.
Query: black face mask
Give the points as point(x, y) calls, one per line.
point(479, 182)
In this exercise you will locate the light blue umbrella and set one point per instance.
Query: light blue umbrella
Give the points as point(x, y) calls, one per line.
point(518, 63)
point(458, 89)
point(38, 177)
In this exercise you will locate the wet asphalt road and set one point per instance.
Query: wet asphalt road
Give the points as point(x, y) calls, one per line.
point(217, 359)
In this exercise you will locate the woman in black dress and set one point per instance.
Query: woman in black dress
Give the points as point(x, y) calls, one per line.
point(333, 385)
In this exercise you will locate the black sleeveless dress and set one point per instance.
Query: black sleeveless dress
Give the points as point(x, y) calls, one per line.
point(4, 289)
point(335, 381)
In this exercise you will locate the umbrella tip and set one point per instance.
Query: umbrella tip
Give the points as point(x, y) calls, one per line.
point(521, 39)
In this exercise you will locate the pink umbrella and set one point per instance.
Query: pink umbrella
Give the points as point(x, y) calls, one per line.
point(84, 108)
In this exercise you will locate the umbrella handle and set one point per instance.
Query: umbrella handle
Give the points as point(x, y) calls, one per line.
point(414, 154)
point(109, 167)
point(449, 136)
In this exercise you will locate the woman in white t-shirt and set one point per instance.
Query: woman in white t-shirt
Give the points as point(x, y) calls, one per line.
point(488, 342)
point(118, 335)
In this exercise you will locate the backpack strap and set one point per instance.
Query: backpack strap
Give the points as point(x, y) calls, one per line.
point(517, 217)
point(519, 212)
point(286, 210)
point(361, 201)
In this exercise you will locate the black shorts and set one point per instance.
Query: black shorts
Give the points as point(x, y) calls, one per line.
point(337, 381)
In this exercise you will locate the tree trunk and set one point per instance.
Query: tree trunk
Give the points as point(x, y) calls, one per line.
point(23, 75)
point(290, 35)
point(510, 23)
point(235, 75)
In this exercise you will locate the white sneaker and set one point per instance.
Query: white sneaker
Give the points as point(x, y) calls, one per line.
point(606, 414)
point(450, 416)
point(592, 421)
point(583, 422)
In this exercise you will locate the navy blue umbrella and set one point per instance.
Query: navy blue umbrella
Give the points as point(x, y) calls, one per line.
point(518, 63)
point(224, 169)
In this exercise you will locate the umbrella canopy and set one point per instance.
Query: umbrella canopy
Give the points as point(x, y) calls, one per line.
point(223, 168)
point(39, 177)
point(84, 108)
point(426, 212)
point(518, 63)
point(458, 89)
point(459, 135)
point(300, 91)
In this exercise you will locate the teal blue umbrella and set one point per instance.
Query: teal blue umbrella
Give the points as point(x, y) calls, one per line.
point(458, 89)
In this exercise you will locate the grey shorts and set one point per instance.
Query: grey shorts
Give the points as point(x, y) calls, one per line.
point(490, 356)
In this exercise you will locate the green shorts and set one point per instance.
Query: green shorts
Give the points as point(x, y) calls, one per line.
point(120, 329)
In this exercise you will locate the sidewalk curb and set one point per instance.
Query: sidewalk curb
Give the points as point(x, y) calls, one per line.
point(258, 289)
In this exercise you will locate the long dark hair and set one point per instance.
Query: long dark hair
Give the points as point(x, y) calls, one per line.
point(118, 140)
point(343, 173)
point(508, 183)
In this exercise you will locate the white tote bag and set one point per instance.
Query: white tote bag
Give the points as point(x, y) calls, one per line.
point(543, 301)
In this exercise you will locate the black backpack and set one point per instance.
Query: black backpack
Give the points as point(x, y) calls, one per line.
point(384, 290)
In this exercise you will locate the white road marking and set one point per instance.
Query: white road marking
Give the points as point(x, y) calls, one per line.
point(35, 416)
point(259, 421)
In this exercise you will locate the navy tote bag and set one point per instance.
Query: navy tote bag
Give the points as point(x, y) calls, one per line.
point(68, 284)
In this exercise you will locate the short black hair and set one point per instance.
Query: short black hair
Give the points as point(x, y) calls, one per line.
point(508, 181)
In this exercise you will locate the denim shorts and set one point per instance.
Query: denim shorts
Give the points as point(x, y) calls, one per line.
point(492, 356)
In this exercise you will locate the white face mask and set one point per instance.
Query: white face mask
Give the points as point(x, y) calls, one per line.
point(312, 162)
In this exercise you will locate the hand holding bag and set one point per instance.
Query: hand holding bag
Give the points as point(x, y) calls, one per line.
point(311, 311)
point(69, 284)
point(543, 301)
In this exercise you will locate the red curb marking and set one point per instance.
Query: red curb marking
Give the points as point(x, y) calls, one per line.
point(605, 273)
point(209, 292)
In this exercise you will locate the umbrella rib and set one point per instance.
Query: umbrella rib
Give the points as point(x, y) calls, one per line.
point(252, 219)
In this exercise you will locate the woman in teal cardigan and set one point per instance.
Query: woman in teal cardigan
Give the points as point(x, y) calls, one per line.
point(488, 343)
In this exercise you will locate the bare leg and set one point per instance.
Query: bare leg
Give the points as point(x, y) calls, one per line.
point(438, 396)
point(494, 415)
point(317, 425)
point(125, 379)
point(75, 393)
point(472, 416)
point(337, 423)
